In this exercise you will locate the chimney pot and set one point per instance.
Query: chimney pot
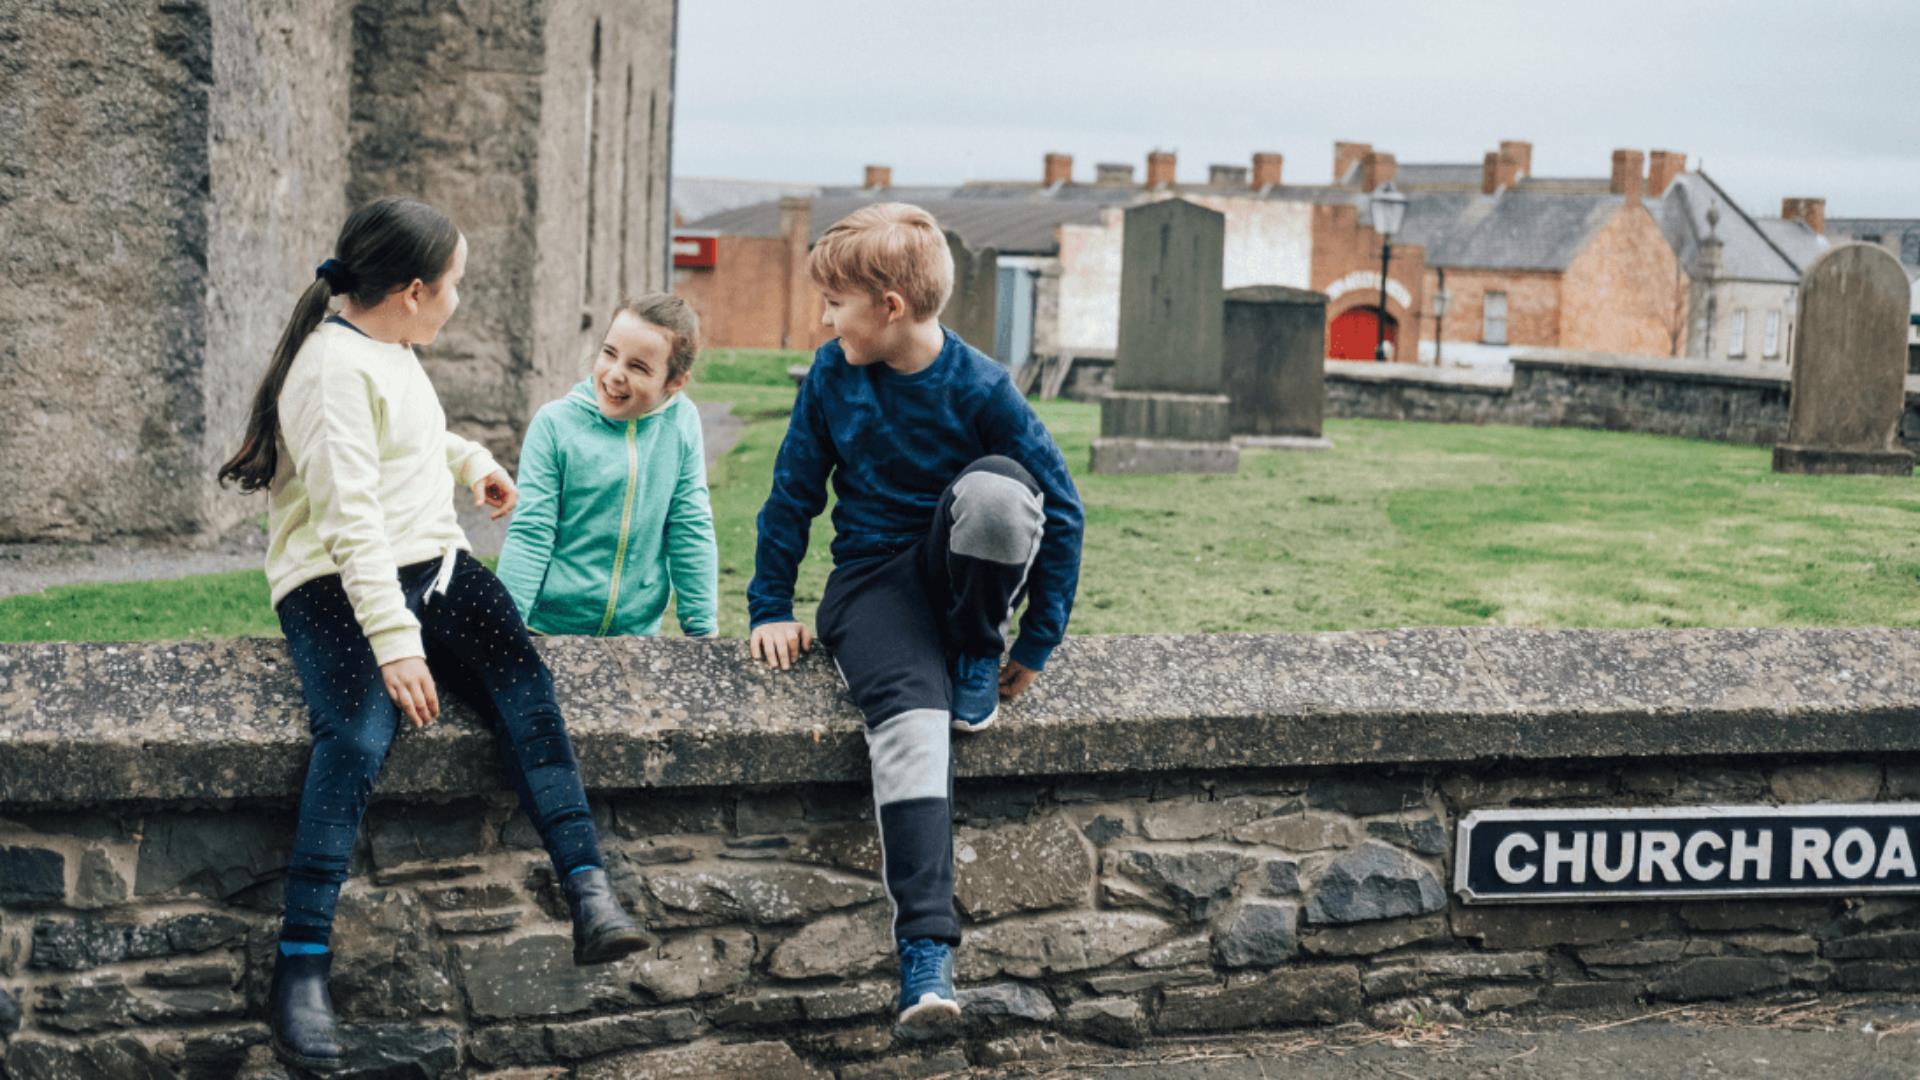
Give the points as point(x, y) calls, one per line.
point(879, 176)
point(1058, 169)
point(1160, 168)
point(1629, 175)
point(1810, 210)
point(1376, 169)
point(1662, 167)
point(1266, 170)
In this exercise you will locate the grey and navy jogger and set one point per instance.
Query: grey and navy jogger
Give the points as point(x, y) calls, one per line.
point(891, 623)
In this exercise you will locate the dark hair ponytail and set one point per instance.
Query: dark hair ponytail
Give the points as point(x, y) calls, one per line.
point(385, 245)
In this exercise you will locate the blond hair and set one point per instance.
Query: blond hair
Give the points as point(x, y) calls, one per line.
point(677, 318)
point(886, 247)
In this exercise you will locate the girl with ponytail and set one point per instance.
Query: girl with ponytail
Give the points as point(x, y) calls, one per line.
point(379, 597)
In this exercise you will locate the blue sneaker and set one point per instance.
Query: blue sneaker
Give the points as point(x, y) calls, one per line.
point(926, 984)
point(976, 692)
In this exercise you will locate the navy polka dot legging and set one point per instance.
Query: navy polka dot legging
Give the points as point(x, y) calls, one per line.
point(477, 648)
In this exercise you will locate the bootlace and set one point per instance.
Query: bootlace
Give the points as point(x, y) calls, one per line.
point(921, 958)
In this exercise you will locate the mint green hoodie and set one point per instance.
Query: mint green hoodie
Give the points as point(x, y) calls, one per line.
point(613, 515)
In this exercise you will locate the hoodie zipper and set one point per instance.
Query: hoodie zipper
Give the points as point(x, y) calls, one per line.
point(626, 526)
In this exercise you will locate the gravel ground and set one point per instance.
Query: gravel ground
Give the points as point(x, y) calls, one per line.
point(31, 567)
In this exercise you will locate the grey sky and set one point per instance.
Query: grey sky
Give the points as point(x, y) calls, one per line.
point(1808, 97)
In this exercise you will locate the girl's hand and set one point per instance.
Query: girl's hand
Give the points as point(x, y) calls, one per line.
point(780, 643)
point(496, 489)
point(1015, 677)
point(411, 687)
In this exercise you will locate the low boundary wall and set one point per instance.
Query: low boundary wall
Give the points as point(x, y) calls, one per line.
point(1168, 836)
point(1717, 400)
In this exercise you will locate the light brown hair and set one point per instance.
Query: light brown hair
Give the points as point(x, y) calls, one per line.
point(677, 318)
point(886, 247)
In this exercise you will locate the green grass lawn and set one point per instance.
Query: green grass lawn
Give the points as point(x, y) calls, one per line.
point(1402, 524)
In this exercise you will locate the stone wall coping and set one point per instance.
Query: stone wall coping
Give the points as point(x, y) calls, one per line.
point(1463, 377)
point(1680, 369)
point(214, 720)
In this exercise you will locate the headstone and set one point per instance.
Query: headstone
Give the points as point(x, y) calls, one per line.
point(1275, 344)
point(1168, 411)
point(973, 309)
point(1849, 367)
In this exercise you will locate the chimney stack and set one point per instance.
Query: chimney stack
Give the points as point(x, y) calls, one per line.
point(1227, 176)
point(1521, 152)
point(1058, 170)
point(1345, 156)
point(1376, 169)
point(1498, 172)
point(1159, 168)
point(1266, 170)
point(1662, 167)
point(1113, 173)
point(879, 176)
point(1812, 211)
point(1629, 175)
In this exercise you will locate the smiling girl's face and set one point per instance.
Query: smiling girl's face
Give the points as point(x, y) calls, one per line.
point(630, 374)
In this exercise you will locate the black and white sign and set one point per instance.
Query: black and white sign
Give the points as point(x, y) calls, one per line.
point(1503, 856)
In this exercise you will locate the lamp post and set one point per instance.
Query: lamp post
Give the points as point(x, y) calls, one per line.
point(1387, 209)
point(1440, 298)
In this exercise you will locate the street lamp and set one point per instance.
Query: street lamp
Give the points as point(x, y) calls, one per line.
point(1387, 209)
point(1440, 298)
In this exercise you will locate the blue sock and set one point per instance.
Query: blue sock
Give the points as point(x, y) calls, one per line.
point(303, 948)
point(583, 869)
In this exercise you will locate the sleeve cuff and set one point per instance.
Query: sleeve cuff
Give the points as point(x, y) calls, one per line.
point(399, 643)
point(477, 468)
point(1029, 653)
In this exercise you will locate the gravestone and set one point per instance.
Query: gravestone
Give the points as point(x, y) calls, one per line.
point(1274, 339)
point(1849, 367)
point(1168, 411)
point(973, 308)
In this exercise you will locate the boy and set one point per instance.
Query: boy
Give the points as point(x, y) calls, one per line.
point(953, 501)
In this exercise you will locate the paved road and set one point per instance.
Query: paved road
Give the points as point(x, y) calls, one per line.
point(1827, 1043)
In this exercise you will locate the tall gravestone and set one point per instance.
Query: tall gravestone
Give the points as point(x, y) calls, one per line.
point(1275, 343)
point(973, 308)
point(1849, 367)
point(1168, 411)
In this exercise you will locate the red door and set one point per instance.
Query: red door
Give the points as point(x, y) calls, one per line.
point(1355, 332)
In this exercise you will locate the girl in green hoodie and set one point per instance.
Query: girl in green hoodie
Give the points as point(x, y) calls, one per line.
point(613, 513)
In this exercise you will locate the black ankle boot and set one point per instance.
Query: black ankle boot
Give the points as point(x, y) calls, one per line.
point(602, 929)
point(301, 1014)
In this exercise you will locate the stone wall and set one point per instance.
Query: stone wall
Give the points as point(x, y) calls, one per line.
point(1722, 401)
point(1243, 832)
point(170, 174)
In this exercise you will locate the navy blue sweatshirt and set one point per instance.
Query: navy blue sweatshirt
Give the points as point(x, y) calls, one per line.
point(891, 444)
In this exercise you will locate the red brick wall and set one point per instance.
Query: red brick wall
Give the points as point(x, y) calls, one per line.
point(1533, 305)
point(1623, 292)
point(1342, 244)
point(742, 299)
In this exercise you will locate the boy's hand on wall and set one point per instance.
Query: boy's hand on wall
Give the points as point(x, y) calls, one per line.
point(1015, 677)
point(780, 643)
point(496, 489)
point(410, 685)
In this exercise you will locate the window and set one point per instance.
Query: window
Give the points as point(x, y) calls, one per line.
point(1737, 334)
point(1770, 346)
point(1493, 319)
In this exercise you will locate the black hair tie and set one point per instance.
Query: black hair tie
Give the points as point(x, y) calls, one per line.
point(336, 275)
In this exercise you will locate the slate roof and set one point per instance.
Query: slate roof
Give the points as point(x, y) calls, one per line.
point(1766, 249)
point(696, 197)
point(1010, 226)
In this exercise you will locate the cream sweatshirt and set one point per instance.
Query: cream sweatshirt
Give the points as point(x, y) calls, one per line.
point(366, 480)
